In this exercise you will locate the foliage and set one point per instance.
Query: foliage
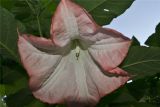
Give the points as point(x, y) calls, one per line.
point(29, 16)
point(103, 11)
point(142, 61)
point(9, 30)
point(154, 39)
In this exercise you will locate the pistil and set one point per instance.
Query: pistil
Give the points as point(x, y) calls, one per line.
point(77, 49)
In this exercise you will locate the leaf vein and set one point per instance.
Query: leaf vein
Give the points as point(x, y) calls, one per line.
point(140, 62)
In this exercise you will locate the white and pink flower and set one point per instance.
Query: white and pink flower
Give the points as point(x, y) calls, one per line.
point(78, 65)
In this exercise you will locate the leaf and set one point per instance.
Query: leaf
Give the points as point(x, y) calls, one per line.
point(41, 8)
point(46, 14)
point(23, 97)
point(158, 86)
point(153, 94)
point(138, 88)
point(124, 97)
point(20, 10)
point(8, 4)
point(109, 98)
point(121, 95)
point(46, 8)
point(8, 33)
point(142, 61)
point(2, 94)
point(2, 104)
point(135, 41)
point(36, 103)
point(132, 105)
point(8, 48)
point(13, 76)
point(103, 11)
point(16, 83)
point(154, 39)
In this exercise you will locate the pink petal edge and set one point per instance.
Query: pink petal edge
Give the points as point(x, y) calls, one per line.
point(55, 78)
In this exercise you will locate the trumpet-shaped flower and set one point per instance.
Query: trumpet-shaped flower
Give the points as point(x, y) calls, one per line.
point(78, 65)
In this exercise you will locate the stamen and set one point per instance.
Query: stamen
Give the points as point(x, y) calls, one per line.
point(77, 51)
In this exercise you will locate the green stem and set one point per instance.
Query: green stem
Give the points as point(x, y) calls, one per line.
point(39, 26)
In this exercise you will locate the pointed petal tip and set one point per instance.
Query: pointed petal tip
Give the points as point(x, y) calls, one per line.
point(20, 39)
point(70, 21)
point(17, 29)
point(118, 71)
point(19, 34)
point(43, 42)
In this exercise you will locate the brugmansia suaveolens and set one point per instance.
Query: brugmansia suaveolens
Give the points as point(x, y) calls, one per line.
point(78, 65)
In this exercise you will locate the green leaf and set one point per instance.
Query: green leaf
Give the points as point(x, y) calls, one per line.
point(135, 41)
point(40, 14)
point(8, 33)
point(24, 98)
point(13, 76)
point(154, 39)
point(158, 86)
point(2, 104)
point(121, 95)
point(8, 4)
point(124, 97)
point(109, 98)
point(47, 7)
point(132, 105)
point(2, 89)
point(19, 99)
point(138, 88)
point(20, 10)
point(36, 103)
point(103, 11)
point(142, 61)
point(11, 71)
point(2, 94)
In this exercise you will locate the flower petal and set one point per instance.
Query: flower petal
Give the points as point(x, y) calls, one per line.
point(39, 42)
point(69, 22)
point(78, 83)
point(60, 86)
point(109, 49)
point(57, 75)
point(100, 84)
point(38, 64)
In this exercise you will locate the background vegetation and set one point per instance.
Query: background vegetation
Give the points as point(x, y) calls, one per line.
point(34, 16)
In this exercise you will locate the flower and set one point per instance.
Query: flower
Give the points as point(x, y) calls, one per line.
point(78, 65)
